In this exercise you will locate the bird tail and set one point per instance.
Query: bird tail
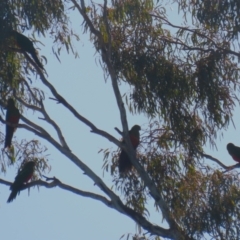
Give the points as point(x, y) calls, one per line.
point(9, 136)
point(37, 61)
point(124, 164)
point(12, 196)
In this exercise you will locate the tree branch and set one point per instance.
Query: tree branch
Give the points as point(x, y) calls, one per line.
point(152, 188)
point(120, 207)
point(56, 127)
point(82, 11)
point(94, 129)
point(174, 232)
point(228, 168)
point(196, 31)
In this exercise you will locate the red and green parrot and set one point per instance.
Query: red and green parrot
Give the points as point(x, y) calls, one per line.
point(234, 152)
point(12, 117)
point(23, 176)
point(124, 163)
point(26, 45)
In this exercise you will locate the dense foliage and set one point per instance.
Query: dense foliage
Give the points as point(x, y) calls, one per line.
point(184, 78)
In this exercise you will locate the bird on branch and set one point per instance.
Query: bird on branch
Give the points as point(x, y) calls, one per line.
point(23, 176)
point(26, 45)
point(124, 163)
point(12, 116)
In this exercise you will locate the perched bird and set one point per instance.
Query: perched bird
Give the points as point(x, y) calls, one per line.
point(124, 163)
point(23, 176)
point(26, 45)
point(12, 117)
point(234, 152)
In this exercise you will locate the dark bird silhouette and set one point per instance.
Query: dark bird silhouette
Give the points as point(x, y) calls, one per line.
point(234, 152)
point(26, 45)
point(12, 117)
point(124, 163)
point(23, 176)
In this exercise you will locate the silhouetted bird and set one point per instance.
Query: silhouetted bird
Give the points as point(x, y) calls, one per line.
point(12, 116)
point(26, 45)
point(23, 176)
point(234, 152)
point(124, 163)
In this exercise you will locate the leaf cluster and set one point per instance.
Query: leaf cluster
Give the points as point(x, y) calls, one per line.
point(202, 200)
point(215, 15)
point(187, 80)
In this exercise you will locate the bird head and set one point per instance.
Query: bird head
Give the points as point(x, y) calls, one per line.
point(30, 164)
point(230, 146)
point(10, 103)
point(136, 128)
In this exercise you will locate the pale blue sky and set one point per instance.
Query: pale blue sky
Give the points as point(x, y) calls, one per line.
point(53, 214)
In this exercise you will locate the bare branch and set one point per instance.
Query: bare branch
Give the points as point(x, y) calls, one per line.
point(98, 181)
point(56, 127)
point(4, 182)
point(120, 132)
point(120, 207)
point(46, 117)
point(94, 129)
point(228, 168)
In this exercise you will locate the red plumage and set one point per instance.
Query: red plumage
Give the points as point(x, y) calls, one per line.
point(23, 176)
point(234, 151)
point(124, 163)
point(12, 116)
